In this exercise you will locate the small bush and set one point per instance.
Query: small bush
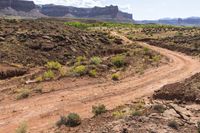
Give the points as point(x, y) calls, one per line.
point(96, 60)
point(118, 60)
point(72, 120)
point(118, 114)
point(156, 58)
point(80, 70)
point(97, 110)
point(39, 79)
point(80, 59)
point(173, 124)
point(24, 93)
point(146, 49)
point(48, 75)
point(160, 108)
point(93, 73)
point(22, 128)
point(115, 76)
point(53, 65)
point(136, 113)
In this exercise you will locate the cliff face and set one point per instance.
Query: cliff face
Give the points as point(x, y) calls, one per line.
point(96, 12)
point(15, 7)
point(18, 5)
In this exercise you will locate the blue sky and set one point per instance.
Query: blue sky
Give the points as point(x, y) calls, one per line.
point(141, 9)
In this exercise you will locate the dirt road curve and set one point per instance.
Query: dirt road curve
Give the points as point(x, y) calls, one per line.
point(43, 111)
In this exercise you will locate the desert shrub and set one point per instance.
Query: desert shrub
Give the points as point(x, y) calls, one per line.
point(72, 120)
point(136, 113)
point(93, 73)
point(118, 60)
point(96, 60)
point(80, 59)
point(49, 75)
point(146, 49)
point(39, 79)
point(78, 25)
point(115, 76)
point(80, 70)
point(22, 128)
point(99, 109)
point(160, 108)
point(198, 126)
point(62, 71)
point(23, 93)
point(53, 65)
point(156, 58)
point(173, 124)
point(118, 114)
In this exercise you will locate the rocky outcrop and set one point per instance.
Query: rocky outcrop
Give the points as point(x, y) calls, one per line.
point(28, 8)
point(108, 12)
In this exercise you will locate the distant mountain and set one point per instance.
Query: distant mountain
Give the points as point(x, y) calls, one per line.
point(191, 21)
point(29, 9)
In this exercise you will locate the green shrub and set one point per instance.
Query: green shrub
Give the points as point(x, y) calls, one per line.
point(115, 76)
point(118, 60)
point(22, 128)
point(39, 79)
point(96, 60)
point(48, 75)
point(24, 93)
point(173, 124)
point(118, 114)
point(146, 49)
point(80, 59)
point(160, 108)
point(72, 120)
point(80, 70)
point(53, 65)
point(97, 110)
point(93, 73)
point(156, 58)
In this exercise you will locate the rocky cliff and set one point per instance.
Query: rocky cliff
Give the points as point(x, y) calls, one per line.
point(21, 7)
point(18, 5)
point(108, 12)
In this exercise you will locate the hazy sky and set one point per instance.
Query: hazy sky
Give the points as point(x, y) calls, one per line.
point(141, 9)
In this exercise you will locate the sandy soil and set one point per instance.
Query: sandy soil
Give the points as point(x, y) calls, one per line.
point(43, 111)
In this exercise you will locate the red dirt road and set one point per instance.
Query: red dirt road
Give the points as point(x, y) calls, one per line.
point(41, 112)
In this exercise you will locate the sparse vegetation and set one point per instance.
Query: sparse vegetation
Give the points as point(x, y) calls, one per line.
point(99, 109)
point(23, 128)
point(96, 60)
point(48, 75)
point(72, 120)
point(80, 70)
point(93, 73)
point(115, 76)
point(23, 93)
point(136, 113)
point(53, 65)
point(119, 114)
point(118, 60)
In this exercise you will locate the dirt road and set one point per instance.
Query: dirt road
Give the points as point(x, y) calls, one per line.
point(43, 111)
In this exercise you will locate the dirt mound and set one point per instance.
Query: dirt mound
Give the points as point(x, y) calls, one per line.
point(188, 90)
point(37, 41)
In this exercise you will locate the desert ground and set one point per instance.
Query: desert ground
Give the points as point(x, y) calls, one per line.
point(146, 76)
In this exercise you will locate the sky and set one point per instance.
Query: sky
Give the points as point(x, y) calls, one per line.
point(141, 9)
